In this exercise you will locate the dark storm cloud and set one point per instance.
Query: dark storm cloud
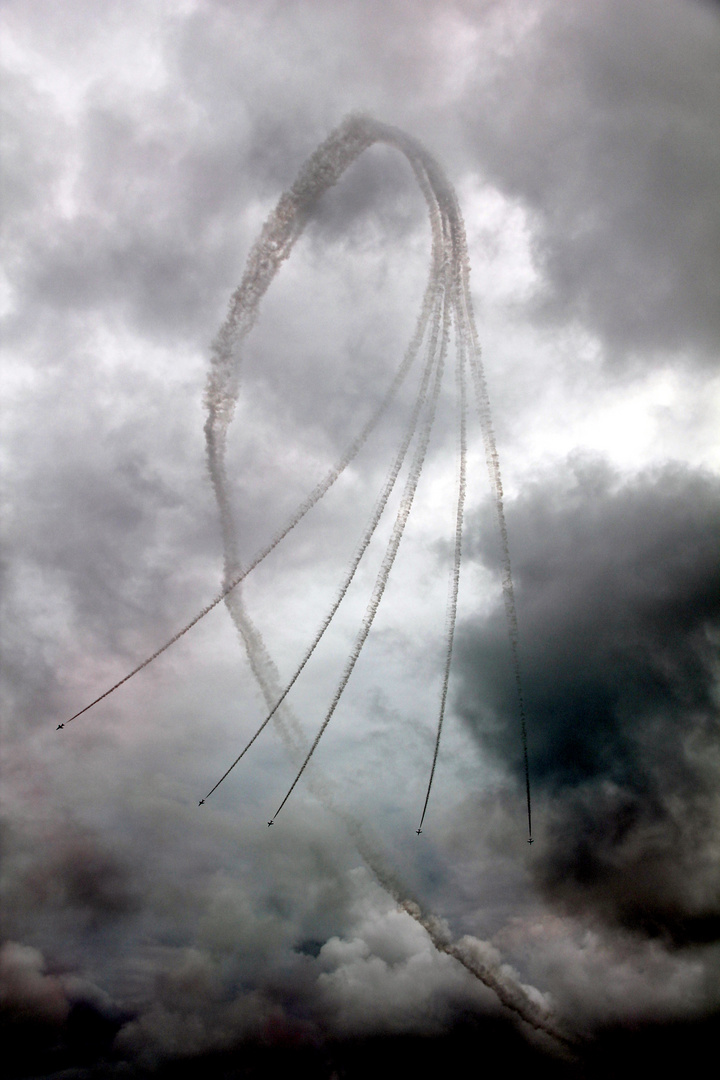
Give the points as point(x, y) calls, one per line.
point(603, 118)
point(196, 959)
point(619, 606)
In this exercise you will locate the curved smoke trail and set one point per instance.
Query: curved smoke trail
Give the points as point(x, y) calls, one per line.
point(455, 578)
point(447, 291)
point(390, 553)
point(447, 295)
point(296, 517)
point(359, 552)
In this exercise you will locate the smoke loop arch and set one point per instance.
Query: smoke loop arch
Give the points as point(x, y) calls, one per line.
point(447, 299)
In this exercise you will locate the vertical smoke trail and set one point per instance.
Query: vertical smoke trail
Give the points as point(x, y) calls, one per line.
point(455, 579)
point(277, 238)
point(471, 342)
point(392, 548)
point(483, 404)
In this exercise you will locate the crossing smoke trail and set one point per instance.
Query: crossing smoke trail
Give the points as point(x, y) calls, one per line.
point(448, 289)
point(447, 295)
point(314, 497)
point(360, 551)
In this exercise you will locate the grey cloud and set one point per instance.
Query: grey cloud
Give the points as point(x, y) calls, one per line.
point(78, 881)
point(159, 180)
point(79, 875)
point(619, 602)
point(603, 119)
point(93, 537)
point(600, 118)
point(33, 141)
point(144, 241)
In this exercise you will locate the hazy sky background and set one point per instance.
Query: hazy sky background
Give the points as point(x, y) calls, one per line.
point(145, 143)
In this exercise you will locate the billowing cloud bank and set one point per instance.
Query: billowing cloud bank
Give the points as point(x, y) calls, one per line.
point(144, 149)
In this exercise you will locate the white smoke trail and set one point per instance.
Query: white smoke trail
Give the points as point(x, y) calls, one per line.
point(275, 243)
point(491, 454)
point(469, 335)
point(447, 291)
point(449, 279)
point(296, 517)
point(473, 955)
point(455, 578)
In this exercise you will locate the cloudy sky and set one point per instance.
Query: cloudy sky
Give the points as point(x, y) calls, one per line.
point(145, 144)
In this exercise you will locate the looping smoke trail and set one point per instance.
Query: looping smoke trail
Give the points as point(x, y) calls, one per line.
point(449, 256)
point(448, 289)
